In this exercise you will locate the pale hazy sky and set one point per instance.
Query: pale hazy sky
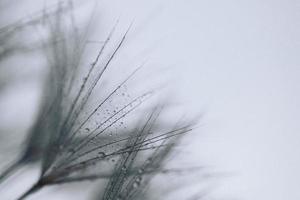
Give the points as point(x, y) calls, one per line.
point(240, 63)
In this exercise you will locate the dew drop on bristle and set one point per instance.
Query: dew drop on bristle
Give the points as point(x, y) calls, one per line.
point(101, 154)
point(139, 179)
point(136, 184)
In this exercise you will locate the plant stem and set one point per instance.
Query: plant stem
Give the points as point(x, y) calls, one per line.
point(33, 189)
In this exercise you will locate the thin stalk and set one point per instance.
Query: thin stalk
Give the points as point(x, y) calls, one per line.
point(31, 190)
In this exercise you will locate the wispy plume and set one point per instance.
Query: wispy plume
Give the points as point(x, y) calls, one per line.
point(88, 131)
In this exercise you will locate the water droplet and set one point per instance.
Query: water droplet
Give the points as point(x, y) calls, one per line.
point(87, 129)
point(101, 154)
point(139, 179)
point(135, 184)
